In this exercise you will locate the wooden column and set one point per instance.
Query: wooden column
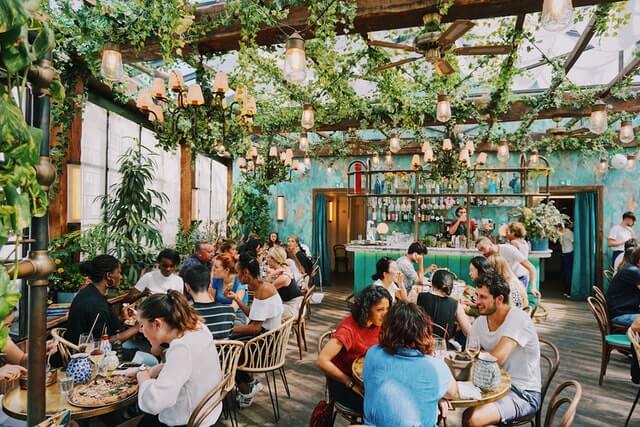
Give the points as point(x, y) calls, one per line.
point(187, 180)
point(58, 205)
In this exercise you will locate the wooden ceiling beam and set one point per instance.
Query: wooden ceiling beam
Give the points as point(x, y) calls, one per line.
point(581, 45)
point(630, 68)
point(372, 15)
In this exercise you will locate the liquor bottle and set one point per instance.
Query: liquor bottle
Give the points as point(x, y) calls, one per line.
point(405, 211)
point(384, 213)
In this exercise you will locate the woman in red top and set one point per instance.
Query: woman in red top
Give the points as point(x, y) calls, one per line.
point(353, 337)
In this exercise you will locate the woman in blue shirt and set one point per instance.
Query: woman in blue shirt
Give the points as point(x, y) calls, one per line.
point(403, 382)
point(225, 278)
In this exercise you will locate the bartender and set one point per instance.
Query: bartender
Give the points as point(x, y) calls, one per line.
point(459, 227)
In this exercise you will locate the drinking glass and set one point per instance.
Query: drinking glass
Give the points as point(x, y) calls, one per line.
point(473, 346)
point(86, 343)
point(66, 385)
point(439, 347)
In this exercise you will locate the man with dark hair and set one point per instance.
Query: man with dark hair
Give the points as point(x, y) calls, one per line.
point(510, 337)
point(459, 226)
point(415, 254)
point(218, 317)
point(158, 280)
point(202, 256)
point(620, 233)
point(629, 245)
point(623, 295)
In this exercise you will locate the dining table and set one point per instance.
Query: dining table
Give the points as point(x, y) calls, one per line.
point(488, 396)
point(14, 404)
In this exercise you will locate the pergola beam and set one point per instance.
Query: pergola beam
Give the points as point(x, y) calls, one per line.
point(372, 15)
point(581, 45)
point(630, 68)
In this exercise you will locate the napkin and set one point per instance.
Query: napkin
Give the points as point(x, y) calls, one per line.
point(468, 391)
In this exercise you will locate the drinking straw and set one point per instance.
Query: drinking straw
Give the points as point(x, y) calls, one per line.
point(94, 325)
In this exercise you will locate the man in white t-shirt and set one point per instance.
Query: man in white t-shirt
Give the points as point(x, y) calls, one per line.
point(520, 265)
point(159, 280)
point(510, 336)
point(566, 245)
point(620, 233)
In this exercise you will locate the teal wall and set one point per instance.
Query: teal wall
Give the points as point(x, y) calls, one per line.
point(622, 190)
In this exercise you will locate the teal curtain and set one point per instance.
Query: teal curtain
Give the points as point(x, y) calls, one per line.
point(585, 230)
point(319, 241)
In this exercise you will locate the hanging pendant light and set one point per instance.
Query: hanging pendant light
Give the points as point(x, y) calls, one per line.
point(556, 14)
point(194, 96)
point(428, 153)
point(307, 161)
point(447, 145)
point(631, 162)
point(626, 132)
point(443, 109)
point(253, 152)
point(144, 101)
point(295, 67)
point(111, 67)
point(481, 159)
point(470, 147)
point(394, 143)
point(375, 160)
point(603, 166)
point(221, 83)
point(503, 151)
point(273, 151)
point(415, 161)
point(533, 160)
point(464, 156)
point(176, 82)
point(308, 116)
point(303, 143)
point(598, 123)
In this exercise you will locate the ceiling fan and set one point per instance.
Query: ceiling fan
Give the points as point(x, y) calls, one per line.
point(559, 131)
point(432, 45)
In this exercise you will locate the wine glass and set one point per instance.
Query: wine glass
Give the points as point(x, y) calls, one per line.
point(439, 347)
point(97, 356)
point(473, 346)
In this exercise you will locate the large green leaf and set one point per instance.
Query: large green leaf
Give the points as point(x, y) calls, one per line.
point(44, 42)
point(13, 128)
point(16, 57)
point(12, 15)
point(57, 91)
point(22, 216)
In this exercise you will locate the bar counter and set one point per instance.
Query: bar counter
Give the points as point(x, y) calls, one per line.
point(456, 260)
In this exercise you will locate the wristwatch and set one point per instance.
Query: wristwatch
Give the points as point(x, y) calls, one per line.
point(350, 384)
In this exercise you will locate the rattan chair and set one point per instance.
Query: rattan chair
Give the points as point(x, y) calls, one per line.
point(298, 324)
point(610, 341)
point(229, 354)
point(65, 348)
point(209, 403)
point(552, 358)
point(556, 402)
point(634, 337)
point(266, 354)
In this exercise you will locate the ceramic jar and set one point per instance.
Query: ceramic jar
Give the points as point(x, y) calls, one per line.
point(111, 361)
point(486, 372)
point(80, 368)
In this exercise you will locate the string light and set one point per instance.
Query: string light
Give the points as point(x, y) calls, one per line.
point(394, 143)
point(598, 123)
point(626, 132)
point(111, 67)
point(308, 116)
point(295, 67)
point(443, 109)
point(556, 14)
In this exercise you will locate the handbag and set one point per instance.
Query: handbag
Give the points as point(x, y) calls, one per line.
point(322, 415)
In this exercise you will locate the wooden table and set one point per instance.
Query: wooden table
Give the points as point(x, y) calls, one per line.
point(487, 396)
point(15, 404)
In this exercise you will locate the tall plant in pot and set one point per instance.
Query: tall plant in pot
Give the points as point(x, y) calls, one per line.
point(541, 223)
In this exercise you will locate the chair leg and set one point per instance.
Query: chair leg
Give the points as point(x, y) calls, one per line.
point(603, 362)
point(274, 403)
point(285, 382)
point(298, 339)
point(304, 336)
point(309, 311)
point(633, 407)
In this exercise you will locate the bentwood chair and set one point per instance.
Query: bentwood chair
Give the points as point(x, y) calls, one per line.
point(634, 337)
point(298, 324)
point(229, 355)
point(266, 354)
point(440, 331)
point(556, 403)
point(209, 403)
point(65, 348)
point(609, 341)
point(602, 299)
point(344, 411)
point(550, 355)
point(340, 257)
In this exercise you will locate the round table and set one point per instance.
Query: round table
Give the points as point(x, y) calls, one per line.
point(487, 396)
point(15, 404)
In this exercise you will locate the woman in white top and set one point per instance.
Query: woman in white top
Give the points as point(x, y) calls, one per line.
point(169, 392)
point(265, 314)
point(159, 280)
point(518, 294)
point(389, 276)
point(516, 234)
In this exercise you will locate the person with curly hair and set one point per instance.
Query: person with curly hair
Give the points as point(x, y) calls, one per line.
point(404, 381)
point(351, 340)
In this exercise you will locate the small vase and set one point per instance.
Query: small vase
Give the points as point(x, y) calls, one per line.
point(80, 368)
point(539, 244)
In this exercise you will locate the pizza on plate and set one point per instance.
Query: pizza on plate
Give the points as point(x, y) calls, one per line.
point(103, 391)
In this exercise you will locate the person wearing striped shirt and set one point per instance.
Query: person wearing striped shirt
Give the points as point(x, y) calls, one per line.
point(218, 317)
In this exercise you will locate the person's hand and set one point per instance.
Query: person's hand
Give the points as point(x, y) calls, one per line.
point(536, 293)
point(155, 370)
point(143, 376)
point(11, 372)
point(52, 346)
point(131, 372)
point(146, 292)
point(463, 218)
point(357, 388)
point(230, 294)
point(399, 279)
point(635, 326)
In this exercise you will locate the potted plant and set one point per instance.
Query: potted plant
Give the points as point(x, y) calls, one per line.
point(541, 223)
point(66, 280)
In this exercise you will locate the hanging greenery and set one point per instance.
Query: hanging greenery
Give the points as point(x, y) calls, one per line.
point(249, 210)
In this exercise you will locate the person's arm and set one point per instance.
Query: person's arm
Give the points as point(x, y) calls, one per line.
point(503, 350)
point(407, 269)
point(281, 281)
point(463, 320)
point(420, 279)
point(238, 300)
point(125, 335)
point(324, 362)
point(452, 390)
point(133, 296)
point(453, 228)
point(532, 277)
point(252, 328)
point(240, 295)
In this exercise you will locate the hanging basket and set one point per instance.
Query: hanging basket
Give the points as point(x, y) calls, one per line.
point(539, 244)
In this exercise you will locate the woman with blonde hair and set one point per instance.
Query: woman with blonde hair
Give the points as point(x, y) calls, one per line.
point(516, 234)
point(282, 279)
point(518, 294)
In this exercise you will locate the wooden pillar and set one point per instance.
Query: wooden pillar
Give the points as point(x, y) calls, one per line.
point(58, 205)
point(187, 180)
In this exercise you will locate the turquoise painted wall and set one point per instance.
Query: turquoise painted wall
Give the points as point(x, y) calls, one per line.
point(622, 190)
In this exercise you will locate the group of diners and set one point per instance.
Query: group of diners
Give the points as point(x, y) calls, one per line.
point(179, 316)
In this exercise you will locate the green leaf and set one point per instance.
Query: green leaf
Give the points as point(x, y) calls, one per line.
point(12, 15)
point(16, 57)
point(57, 91)
point(44, 42)
point(10, 37)
point(22, 216)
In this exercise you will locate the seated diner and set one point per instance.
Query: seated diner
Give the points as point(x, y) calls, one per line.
point(391, 278)
point(623, 295)
point(282, 279)
point(160, 279)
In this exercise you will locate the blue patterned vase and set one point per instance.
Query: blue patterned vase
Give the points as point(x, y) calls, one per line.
point(80, 368)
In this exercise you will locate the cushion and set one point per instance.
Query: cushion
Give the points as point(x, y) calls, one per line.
point(618, 339)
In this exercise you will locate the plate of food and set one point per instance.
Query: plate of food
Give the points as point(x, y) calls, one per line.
point(103, 391)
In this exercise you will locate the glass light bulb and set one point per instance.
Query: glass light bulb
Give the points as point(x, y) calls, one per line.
point(482, 159)
point(176, 82)
point(144, 101)
point(556, 14)
point(443, 109)
point(598, 123)
point(111, 67)
point(631, 163)
point(447, 145)
point(425, 147)
point(603, 166)
point(503, 151)
point(295, 66)
point(303, 143)
point(394, 143)
point(308, 116)
point(307, 161)
point(283, 156)
point(626, 132)
point(253, 151)
point(157, 88)
point(259, 160)
point(428, 155)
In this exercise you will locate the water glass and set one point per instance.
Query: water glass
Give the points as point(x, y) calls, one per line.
point(473, 346)
point(439, 347)
point(86, 343)
point(66, 385)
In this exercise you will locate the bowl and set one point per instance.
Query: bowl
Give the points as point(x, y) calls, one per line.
point(51, 378)
point(460, 365)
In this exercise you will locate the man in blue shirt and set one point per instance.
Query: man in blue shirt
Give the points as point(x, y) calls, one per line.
point(202, 256)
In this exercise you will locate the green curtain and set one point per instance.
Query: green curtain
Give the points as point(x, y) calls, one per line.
point(585, 229)
point(319, 241)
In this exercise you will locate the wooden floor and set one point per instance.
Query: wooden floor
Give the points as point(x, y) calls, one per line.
point(569, 325)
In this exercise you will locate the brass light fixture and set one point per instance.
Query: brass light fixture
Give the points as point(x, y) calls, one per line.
point(443, 109)
point(295, 67)
point(598, 123)
point(111, 67)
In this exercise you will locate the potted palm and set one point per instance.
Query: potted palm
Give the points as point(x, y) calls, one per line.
point(541, 223)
